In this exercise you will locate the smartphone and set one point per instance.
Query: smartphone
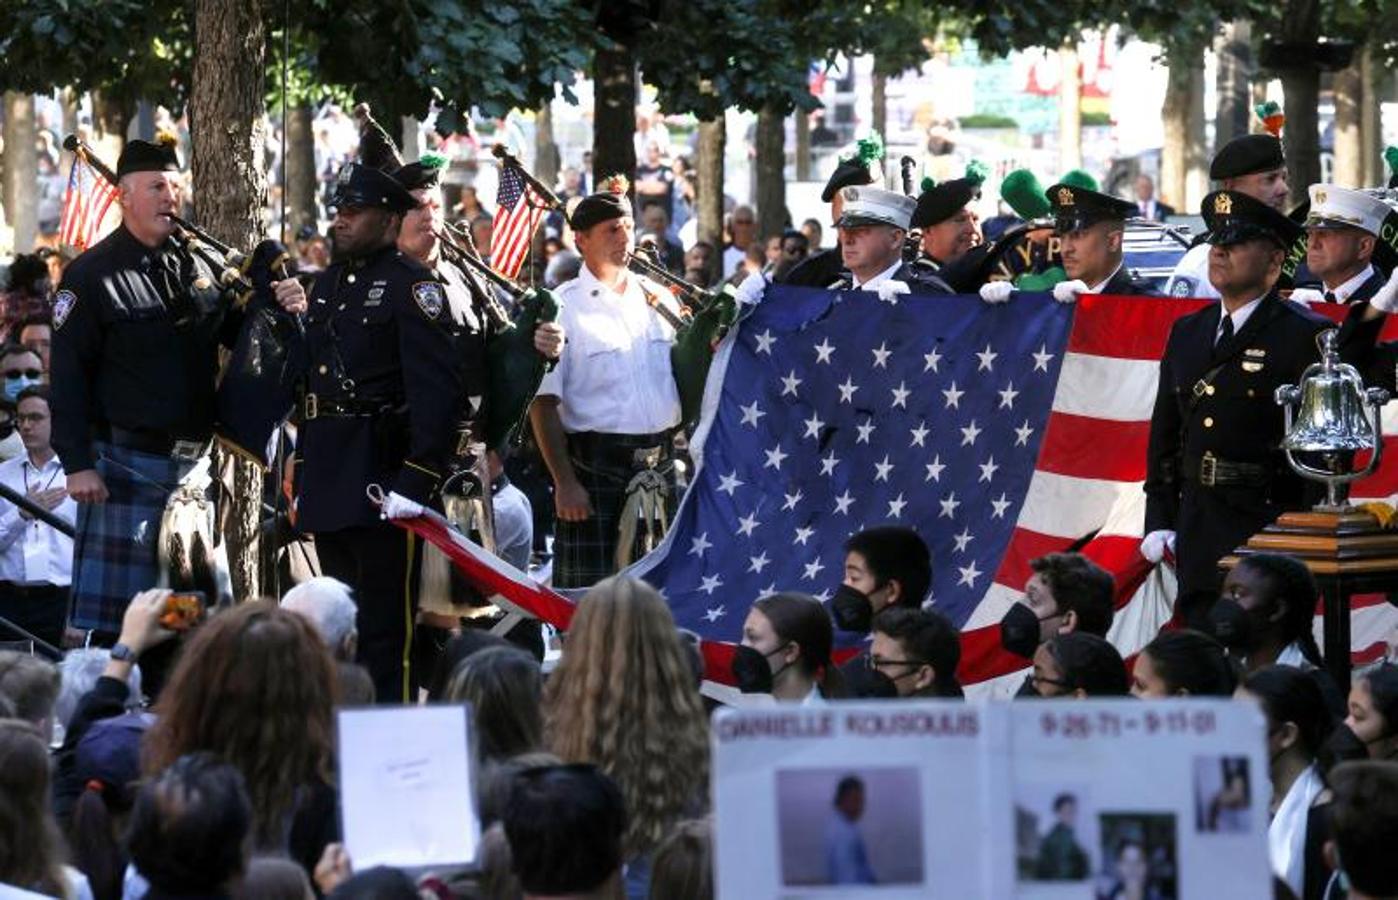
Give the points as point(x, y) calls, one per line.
point(183, 610)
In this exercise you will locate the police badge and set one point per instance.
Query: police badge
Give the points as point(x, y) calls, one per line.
point(430, 298)
point(63, 303)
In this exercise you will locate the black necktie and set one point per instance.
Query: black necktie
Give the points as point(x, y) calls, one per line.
point(1225, 334)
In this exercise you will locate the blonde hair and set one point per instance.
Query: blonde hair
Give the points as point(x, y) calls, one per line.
point(623, 698)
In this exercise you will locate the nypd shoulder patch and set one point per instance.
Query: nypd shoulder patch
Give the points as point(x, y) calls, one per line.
point(1181, 287)
point(430, 297)
point(63, 303)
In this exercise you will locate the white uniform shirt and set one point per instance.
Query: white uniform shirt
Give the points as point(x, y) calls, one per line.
point(614, 376)
point(1191, 275)
point(30, 551)
point(873, 283)
point(1346, 290)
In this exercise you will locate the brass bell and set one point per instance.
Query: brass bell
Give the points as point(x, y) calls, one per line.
point(1330, 418)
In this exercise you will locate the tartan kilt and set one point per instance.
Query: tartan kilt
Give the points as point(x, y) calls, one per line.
point(115, 548)
point(585, 552)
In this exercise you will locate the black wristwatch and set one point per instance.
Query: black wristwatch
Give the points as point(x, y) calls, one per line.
point(123, 653)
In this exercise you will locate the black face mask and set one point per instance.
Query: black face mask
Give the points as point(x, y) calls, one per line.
point(1019, 631)
point(869, 684)
point(751, 672)
point(1232, 625)
point(851, 610)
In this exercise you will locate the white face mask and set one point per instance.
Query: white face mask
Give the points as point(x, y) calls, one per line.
point(11, 446)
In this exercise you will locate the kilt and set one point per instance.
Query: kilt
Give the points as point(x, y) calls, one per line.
point(585, 552)
point(114, 551)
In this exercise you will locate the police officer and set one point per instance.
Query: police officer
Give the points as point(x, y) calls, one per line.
point(1091, 227)
point(873, 228)
point(1215, 475)
point(605, 417)
point(382, 393)
point(137, 327)
point(1250, 164)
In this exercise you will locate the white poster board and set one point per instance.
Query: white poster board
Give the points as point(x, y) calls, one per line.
point(406, 786)
point(1033, 799)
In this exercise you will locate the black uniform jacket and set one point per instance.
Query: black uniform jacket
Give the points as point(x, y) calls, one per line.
point(1220, 401)
point(135, 346)
point(383, 390)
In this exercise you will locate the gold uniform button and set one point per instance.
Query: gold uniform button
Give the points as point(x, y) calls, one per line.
point(1208, 421)
point(1209, 390)
point(349, 278)
point(1252, 393)
point(323, 369)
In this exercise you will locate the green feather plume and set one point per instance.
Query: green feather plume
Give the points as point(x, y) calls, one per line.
point(1024, 194)
point(977, 171)
point(870, 149)
point(1267, 109)
point(1390, 156)
point(1079, 179)
point(432, 160)
point(928, 183)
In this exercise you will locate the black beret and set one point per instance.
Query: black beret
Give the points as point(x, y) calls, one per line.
point(145, 156)
point(599, 207)
point(1074, 208)
point(1232, 217)
point(937, 204)
point(363, 185)
point(425, 173)
point(849, 173)
point(1245, 155)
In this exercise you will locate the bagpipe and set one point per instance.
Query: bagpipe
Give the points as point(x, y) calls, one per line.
point(258, 388)
point(516, 368)
point(702, 319)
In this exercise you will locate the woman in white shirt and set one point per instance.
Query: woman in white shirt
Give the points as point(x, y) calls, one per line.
point(787, 639)
point(1298, 723)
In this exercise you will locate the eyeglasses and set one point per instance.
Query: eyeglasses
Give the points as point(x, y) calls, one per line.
point(31, 418)
point(878, 662)
point(12, 374)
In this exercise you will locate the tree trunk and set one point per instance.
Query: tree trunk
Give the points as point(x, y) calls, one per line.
point(301, 180)
point(110, 119)
point(1301, 136)
point(708, 186)
point(1234, 107)
point(803, 145)
point(1350, 98)
point(230, 188)
point(21, 171)
point(1069, 109)
point(614, 122)
point(69, 98)
point(771, 173)
point(1371, 119)
point(546, 157)
point(880, 106)
point(410, 138)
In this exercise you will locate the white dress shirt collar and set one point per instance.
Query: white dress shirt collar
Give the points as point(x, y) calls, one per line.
point(1346, 290)
point(877, 280)
point(1097, 288)
point(1239, 316)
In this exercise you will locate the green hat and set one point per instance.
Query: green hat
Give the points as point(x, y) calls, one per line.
point(1024, 194)
point(1079, 178)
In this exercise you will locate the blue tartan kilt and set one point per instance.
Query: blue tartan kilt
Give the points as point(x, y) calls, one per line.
point(115, 551)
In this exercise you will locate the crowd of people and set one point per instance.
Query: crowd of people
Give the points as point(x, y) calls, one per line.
point(189, 749)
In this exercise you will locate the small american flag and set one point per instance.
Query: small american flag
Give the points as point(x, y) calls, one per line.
point(85, 205)
point(517, 213)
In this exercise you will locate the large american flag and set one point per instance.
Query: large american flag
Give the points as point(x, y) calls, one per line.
point(999, 433)
point(517, 213)
point(85, 204)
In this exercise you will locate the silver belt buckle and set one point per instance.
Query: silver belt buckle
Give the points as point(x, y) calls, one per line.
point(647, 457)
point(187, 451)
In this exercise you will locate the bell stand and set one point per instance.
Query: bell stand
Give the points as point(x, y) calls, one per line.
point(1347, 551)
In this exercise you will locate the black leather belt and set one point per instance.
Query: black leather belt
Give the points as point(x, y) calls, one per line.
point(158, 443)
point(1215, 472)
point(314, 406)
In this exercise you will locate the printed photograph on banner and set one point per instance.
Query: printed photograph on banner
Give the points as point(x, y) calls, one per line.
point(1140, 859)
point(1222, 795)
point(1055, 832)
point(850, 827)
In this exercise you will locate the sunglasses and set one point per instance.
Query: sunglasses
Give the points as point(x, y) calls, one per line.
point(12, 374)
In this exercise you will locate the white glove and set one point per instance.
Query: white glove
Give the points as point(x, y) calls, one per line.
point(1067, 291)
point(396, 506)
point(750, 290)
point(889, 290)
point(1307, 296)
point(1153, 545)
point(1386, 299)
point(997, 291)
